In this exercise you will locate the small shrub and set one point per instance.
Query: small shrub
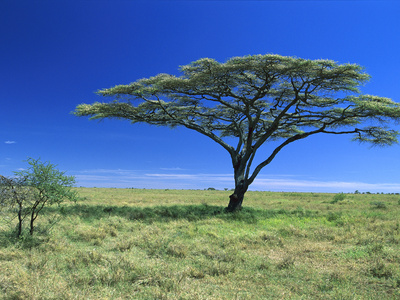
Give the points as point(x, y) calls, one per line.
point(334, 216)
point(378, 205)
point(32, 189)
point(338, 197)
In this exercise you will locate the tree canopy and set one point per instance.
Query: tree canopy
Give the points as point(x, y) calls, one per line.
point(255, 99)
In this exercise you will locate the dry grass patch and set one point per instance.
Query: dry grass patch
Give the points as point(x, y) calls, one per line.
point(124, 244)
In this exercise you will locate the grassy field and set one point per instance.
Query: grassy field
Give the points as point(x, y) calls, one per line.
point(170, 244)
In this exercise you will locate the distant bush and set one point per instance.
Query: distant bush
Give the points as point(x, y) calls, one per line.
point(338, 197)
point(378, 205)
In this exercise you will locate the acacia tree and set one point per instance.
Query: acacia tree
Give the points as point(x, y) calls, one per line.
point(32, 189)
point(255, 99)
point(47, 186)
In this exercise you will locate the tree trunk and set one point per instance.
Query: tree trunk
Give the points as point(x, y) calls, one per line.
point(19, 230)
point(236, 199)
point(241, 183)
point(33, 218)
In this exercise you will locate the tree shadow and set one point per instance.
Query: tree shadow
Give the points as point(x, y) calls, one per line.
point(151, 214)
point(148, 214)
point(168, 213)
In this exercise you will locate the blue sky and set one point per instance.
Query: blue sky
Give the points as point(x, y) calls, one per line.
point(56, 54)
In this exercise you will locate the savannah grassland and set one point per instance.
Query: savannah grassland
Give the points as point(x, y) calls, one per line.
point(178, 244)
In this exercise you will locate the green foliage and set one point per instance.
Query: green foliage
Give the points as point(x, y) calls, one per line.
point(50, 184)
point(338, 197)
point(378, 204)
point(33, 189)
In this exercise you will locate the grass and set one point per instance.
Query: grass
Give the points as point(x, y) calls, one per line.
point(170, 244)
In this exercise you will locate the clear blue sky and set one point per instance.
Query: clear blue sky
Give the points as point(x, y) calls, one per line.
point(55, 54)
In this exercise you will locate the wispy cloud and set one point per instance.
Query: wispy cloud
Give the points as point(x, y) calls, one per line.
point(106, 177)
point(140, 178)
point(202, 177)
point(173, 180)
point(106, 171)
point(172, 169)
point(10, 142)
point(298, 185)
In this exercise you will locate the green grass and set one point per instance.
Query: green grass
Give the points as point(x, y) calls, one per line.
point(177, 244)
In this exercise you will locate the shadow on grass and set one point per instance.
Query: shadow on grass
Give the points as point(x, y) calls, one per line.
point(150, 215)
point(175, 212)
